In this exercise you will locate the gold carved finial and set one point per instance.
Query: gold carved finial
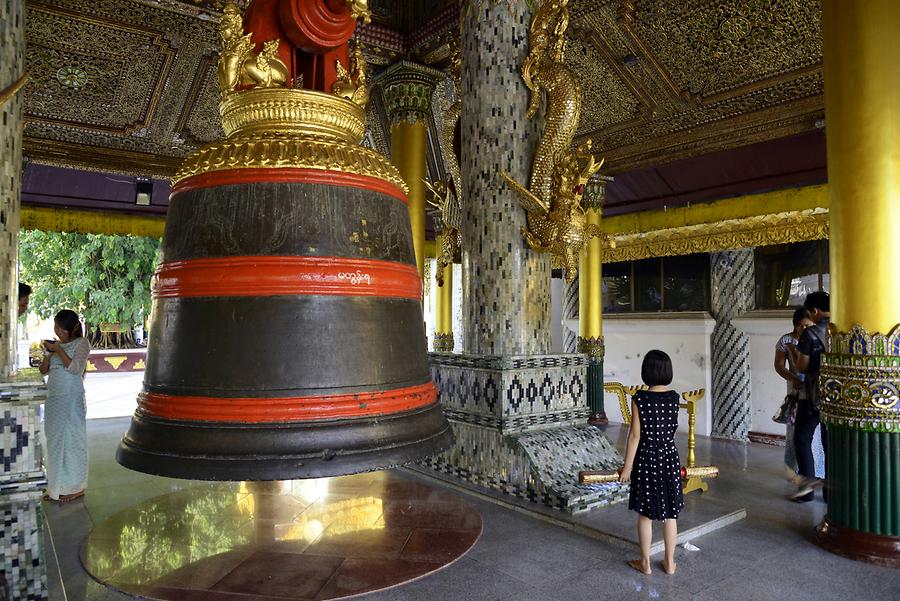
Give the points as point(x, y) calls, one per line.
point(239, 65)
point(352, 84)
point(556, 220)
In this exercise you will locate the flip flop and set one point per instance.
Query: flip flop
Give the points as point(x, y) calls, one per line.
point(72, 497)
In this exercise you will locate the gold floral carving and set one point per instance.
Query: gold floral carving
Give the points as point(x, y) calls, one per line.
point(762, 230)
point(859, 384)
point(273, 150)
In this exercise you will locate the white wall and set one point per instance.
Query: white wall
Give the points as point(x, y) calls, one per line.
point(685, 337)
point(764, 328)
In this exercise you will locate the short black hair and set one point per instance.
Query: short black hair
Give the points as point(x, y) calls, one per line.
point(656, 369)
point(24, 290)
point(818, 300)
point(800, 313)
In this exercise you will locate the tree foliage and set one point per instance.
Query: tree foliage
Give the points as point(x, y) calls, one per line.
point(106, 279)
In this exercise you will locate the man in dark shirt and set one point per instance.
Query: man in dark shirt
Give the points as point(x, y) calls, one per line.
point(809, 360)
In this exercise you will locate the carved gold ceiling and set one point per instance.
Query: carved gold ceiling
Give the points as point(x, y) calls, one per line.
point(665, 80)
point(129, 85)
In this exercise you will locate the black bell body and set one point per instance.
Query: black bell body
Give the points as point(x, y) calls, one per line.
point(287, 338)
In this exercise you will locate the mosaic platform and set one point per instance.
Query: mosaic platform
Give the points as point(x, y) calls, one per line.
point(520, 428)
point(307, 539)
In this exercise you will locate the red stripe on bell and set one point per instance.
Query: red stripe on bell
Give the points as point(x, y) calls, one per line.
point(281, 276)
point(286, 409)
point(300, 175)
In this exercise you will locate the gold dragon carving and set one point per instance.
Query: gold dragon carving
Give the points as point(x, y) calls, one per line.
point(556, 219)
point(447, 201)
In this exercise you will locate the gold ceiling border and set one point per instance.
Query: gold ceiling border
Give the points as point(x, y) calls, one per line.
point(13, 88)
point(747, 232)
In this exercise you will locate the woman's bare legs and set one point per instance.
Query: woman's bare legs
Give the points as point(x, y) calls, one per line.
point(670, 536)
point(645, 536)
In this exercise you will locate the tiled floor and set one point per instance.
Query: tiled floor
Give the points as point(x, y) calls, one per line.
point(769, 555)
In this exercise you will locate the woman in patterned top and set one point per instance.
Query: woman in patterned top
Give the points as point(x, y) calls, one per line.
point(651, 456)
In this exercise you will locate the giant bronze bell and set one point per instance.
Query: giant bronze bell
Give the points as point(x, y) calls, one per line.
point(287, 338)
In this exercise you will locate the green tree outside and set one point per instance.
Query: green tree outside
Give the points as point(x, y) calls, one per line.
point(106, 279)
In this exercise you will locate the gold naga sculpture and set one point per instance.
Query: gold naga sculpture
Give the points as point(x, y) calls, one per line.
point(556, 220)
point(451, 237)
point(445, 200)
point(351, 83)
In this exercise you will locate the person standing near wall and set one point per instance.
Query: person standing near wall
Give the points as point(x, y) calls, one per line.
point(24, 295)
point(807, 359)
point(784, 366)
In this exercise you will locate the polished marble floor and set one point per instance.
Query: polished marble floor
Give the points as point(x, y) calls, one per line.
point(769, 555)
point(329, 537)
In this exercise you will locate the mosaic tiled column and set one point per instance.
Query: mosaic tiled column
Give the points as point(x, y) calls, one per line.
point(732, 295)
point(12, 73)
point(507, 286)
point(408, 88)
point(859, 384)
point(518, 413)
point(590, 301)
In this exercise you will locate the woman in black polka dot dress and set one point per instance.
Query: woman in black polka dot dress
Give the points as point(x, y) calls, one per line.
point(651, 460)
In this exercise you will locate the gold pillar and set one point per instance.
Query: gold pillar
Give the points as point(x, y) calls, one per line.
point(443, 309)
point(408, 88)
point(862, 120)
point(590, 300)
point(408, 142)
point(861, 369)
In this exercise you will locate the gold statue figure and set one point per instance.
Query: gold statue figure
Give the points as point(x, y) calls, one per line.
point(451, 237)
point(237, 62)
point(359, 9)
point(556, 220)
point(351, 84)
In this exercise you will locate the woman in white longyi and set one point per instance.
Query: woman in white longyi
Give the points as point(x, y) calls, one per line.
point(65, 361)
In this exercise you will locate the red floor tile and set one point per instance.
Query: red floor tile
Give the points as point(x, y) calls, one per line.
point(358, 576)
point(456, 516)
point(439, 546)
point(377, 543)
point(281, 575)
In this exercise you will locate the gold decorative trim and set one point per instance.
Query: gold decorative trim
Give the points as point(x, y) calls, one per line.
point(443, 342)
point(57, 153)
point(90, 222)
point(282, 110)
point(277, 150)
point(13, 89)
point(761, 230)
point(594, 348)
point(859, 384)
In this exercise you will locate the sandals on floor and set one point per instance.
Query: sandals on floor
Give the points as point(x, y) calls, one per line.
point(63, 498)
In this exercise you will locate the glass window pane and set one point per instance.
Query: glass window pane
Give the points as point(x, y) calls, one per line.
point(686, 281)
point(647, 295)
point(617, 287)
point(786, 273)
